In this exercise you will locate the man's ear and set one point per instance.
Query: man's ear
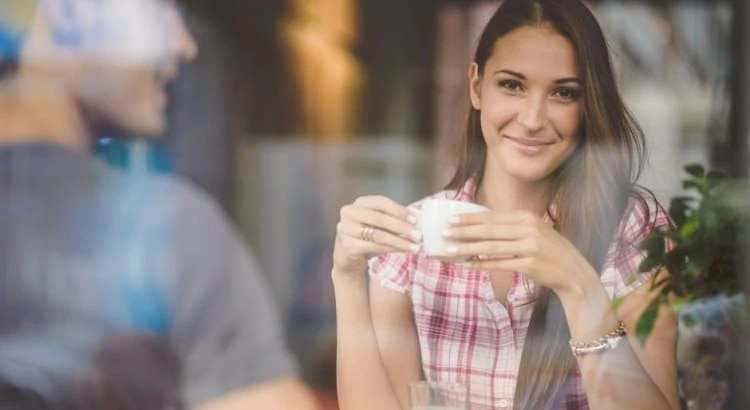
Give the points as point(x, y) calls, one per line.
point(475, 82)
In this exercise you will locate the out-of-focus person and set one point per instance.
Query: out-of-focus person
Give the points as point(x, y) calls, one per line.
point(118, 290)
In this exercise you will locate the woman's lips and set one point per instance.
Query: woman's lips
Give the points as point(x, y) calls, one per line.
point(527, 146)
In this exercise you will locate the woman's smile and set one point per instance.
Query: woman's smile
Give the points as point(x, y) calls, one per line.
point(529, 146)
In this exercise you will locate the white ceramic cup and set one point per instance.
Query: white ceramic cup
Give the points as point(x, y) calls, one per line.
point(433, 220)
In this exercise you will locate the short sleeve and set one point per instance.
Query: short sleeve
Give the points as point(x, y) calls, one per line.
point(620, 275)
point(393, 271)
point(224, 322)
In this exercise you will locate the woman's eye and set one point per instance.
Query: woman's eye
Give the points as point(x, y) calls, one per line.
point(568, 93)
point(510, 85)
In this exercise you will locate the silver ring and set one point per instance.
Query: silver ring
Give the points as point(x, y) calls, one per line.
point(366, 232)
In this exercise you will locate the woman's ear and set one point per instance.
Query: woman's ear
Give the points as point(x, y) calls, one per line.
point(475, 82)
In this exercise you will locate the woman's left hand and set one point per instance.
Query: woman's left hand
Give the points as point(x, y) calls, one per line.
point(518, 241)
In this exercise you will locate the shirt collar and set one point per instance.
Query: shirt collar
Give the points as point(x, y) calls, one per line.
point(468, 192)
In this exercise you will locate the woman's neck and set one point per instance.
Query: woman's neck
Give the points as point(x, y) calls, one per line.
point(40, 113)
point(501, 192)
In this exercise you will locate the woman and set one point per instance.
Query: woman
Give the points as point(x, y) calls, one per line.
point(550, 148)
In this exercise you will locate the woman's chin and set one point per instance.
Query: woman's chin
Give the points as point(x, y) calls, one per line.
point(526, 173)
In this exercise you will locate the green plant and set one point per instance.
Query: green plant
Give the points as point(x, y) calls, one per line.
point(709, 231)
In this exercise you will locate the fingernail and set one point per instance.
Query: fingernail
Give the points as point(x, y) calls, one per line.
point(414, 247)
point(416, 235)
point(451, 249)
point(448, 233)
point(412, 219)
point(454, 219)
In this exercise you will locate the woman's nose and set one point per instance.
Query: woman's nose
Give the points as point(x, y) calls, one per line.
point(533, 113)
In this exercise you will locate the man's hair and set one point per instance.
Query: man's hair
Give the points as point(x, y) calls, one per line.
point(15, 19)
point(7, 68)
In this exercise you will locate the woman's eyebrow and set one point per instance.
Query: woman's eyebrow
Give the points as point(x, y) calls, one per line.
point(568, 80)
point(511, 72)
point(518, 75)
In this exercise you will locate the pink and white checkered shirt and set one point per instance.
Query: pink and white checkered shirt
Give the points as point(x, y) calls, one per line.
point(466, 335)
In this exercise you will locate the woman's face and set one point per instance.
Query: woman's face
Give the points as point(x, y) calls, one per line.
point(530, 100)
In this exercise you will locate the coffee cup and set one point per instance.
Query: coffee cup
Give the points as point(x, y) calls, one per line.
point(434, 218)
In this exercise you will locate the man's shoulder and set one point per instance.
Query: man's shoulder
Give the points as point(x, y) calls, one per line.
point(182, 192)
point(180, 205)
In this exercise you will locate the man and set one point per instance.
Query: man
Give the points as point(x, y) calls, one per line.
point(117, 290)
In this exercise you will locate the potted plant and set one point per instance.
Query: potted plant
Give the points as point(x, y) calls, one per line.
point(703, 255)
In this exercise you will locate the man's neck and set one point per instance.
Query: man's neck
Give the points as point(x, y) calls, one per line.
point(41, 115)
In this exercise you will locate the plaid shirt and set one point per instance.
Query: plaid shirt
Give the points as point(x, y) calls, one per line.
point(466, 335)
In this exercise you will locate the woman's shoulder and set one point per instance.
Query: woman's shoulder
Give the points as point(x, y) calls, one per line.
point(643, 214)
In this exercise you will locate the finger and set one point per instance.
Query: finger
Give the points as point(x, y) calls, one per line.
point(364, 215)
point(509, 264)
point(508, 217)
point(370, 249)
point(380, 237)
point(388, 239)
point(355, 252)
point(385, 205)
point(494, 249)
point(501, 231)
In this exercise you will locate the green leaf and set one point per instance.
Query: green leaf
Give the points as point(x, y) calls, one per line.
point(678, 209)
point(689, 183)
point(675, 261)
point(695, 170)
point(616, 302)
point(708, 236)
point(654, 245)
point(710, 219)
point(646, 321)
point(648, 264)
point(689, 320)
point(689, 227)
point(715, 177)
point(685, 199)
point(678, 303)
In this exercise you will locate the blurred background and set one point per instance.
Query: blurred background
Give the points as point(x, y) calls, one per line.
point(294, 108)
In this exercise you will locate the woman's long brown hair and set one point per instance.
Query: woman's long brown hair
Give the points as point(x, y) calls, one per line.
point(591, 187)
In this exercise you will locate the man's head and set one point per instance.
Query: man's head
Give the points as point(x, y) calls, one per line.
point(114, 58)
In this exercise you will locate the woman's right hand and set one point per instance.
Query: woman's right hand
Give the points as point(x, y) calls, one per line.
point(393, 226)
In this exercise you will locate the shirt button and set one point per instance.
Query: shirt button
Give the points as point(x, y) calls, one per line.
point(503, 403)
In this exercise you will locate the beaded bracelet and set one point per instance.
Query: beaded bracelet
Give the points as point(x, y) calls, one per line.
point(606, 342)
